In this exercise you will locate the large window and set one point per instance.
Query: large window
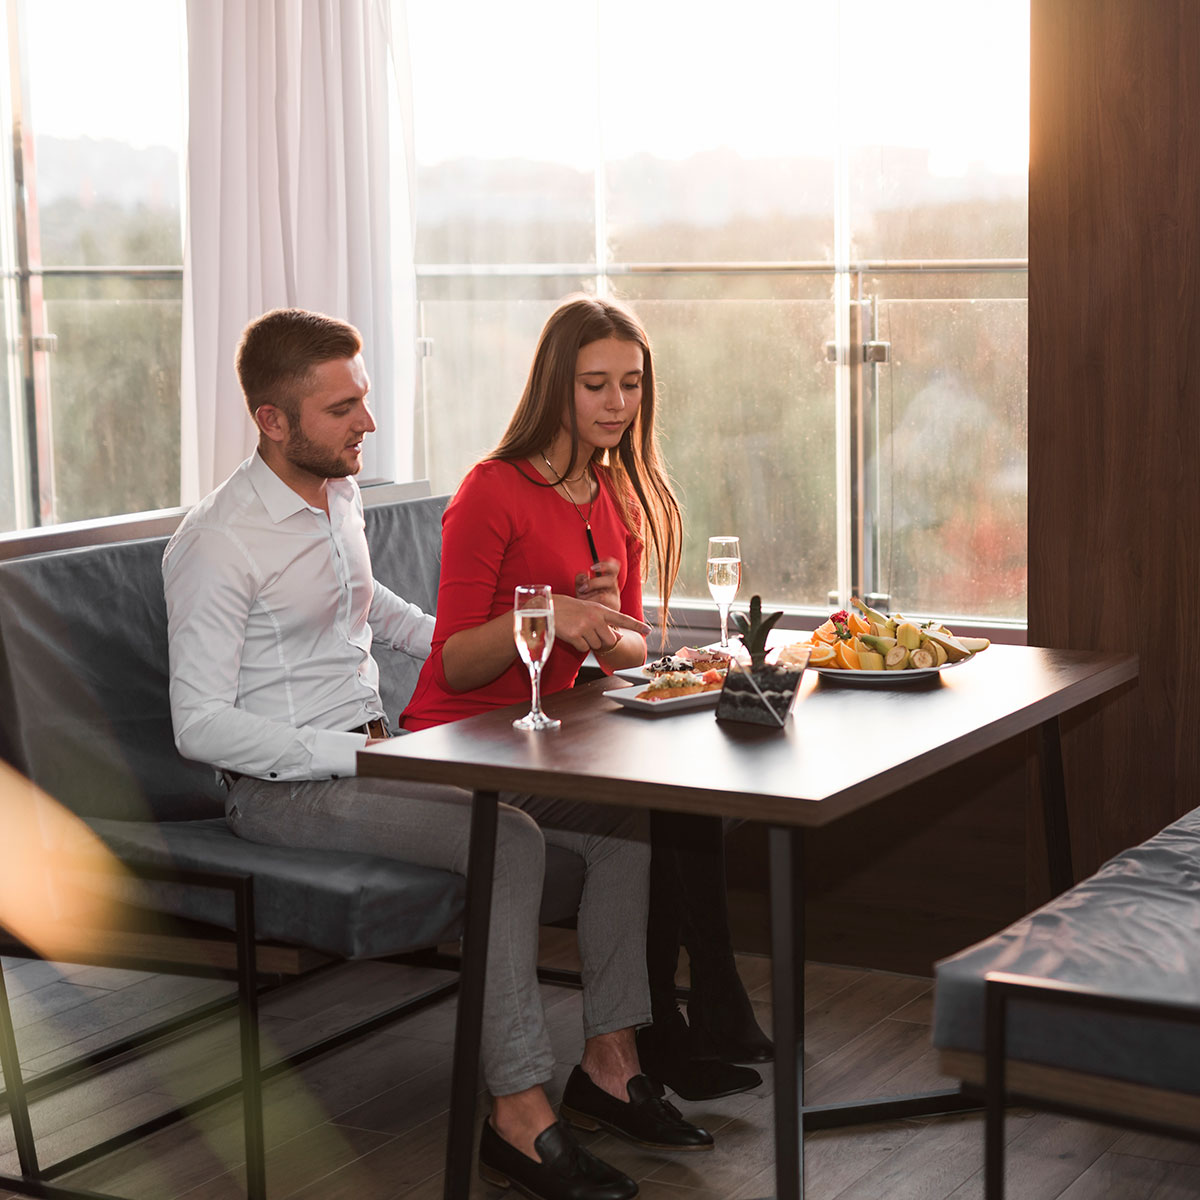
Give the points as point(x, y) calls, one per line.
point(91, 253)
point(819, 212)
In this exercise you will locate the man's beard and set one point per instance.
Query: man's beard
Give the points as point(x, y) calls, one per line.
point(301, 452)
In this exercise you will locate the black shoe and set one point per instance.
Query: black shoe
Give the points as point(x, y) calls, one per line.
point(745, 1043)
point(567, 1171)
point(645, 1118)
point(668, 1054)
point(722, 1020)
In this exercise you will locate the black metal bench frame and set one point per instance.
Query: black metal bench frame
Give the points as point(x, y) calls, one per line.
point(1001, 990)
point(37, 1179)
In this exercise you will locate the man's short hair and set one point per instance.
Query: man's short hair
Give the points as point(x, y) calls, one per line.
point(278, 350)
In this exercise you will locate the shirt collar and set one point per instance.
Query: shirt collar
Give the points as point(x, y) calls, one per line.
point(278, 499)
point(281, 501)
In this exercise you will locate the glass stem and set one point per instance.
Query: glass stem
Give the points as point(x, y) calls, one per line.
point(535, 684)
point(724, 626)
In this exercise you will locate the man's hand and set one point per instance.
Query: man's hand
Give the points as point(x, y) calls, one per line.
point(599, 583)
point(586, 625)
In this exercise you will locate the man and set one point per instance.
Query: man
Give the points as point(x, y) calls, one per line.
point(272, 609)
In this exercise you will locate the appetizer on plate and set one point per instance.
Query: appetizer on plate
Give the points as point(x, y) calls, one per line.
point(672, 684)
point(690, 658)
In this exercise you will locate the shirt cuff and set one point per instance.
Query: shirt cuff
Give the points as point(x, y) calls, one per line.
point(335, 754)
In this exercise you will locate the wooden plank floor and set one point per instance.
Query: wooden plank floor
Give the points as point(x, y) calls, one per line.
point(368, 1122)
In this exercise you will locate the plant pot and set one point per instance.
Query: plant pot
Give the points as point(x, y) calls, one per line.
point(761, 695)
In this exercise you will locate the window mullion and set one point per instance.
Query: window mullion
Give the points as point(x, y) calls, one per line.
point(34, 407)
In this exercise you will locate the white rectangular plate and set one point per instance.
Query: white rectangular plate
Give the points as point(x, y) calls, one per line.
point(633, 674)
point(632, 698)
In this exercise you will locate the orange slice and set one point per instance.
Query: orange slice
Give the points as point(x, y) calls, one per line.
point(846, 656)
point(822, 655)
point(796, 652)
point(857, 623)
point(825, 633)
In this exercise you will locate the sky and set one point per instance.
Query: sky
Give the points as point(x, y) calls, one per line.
point(115, 68)
point(676, 77)
point(673, 77)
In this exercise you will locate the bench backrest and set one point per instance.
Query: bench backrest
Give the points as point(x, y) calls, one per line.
point(84, 710)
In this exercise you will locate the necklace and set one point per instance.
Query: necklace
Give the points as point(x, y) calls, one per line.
point(565, 478)
point(587, 521)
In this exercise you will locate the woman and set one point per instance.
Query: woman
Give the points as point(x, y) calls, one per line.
point(571, 497)
point(565, 499)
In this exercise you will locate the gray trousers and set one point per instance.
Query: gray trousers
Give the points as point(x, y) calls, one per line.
point(430, 825)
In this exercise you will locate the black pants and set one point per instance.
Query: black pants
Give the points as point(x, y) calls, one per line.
point(688, 906)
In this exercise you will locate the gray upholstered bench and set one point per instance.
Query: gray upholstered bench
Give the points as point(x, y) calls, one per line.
point(84, 713)
point(1091, 1004)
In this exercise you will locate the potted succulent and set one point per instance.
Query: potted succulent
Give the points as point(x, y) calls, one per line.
point(761, 693)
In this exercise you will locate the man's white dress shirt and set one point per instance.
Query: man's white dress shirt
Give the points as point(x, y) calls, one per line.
point(271, 611)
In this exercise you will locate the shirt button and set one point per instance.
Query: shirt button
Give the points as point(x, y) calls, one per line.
point(273, 774)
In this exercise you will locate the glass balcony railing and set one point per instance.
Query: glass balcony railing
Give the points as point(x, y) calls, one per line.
point(904, 476)
point(114, 405)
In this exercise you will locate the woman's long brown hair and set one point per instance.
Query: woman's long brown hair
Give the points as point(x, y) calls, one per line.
point(636, 468)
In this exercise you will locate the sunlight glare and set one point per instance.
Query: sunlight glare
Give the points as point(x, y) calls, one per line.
point(44, 906)
point(673, 81)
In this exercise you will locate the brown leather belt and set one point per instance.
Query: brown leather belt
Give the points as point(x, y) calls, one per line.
point(377, 728)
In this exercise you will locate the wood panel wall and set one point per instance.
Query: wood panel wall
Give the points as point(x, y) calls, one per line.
point(1114, 394)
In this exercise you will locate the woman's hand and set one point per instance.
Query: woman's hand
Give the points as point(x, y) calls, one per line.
point(473, 657)
point(587, 625)
point(599, 583)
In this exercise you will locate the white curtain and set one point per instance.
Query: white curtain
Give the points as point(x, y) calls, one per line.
point(298, 195)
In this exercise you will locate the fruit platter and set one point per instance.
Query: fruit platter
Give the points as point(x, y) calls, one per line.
point(863, 646)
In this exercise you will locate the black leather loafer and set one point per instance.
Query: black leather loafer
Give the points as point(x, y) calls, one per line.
point(746, 1047)
point(645, 1118)
point(668, 1056)
point(567, 1171)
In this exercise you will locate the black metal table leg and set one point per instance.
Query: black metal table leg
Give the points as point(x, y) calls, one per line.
point(785, 848)
point(1054, 807)
point(252, 1114)
point(995, 1005)
point(460, 1151)
point(792, 1116)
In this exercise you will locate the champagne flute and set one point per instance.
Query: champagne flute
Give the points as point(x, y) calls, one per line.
point(533, 631)
point(724, 577)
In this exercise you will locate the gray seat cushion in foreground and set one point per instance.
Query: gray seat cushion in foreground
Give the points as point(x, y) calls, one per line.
point(1132, 929)
point(349, 905)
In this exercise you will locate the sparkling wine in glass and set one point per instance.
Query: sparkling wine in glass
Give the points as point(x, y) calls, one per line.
point(724, 577)
point(533, 631)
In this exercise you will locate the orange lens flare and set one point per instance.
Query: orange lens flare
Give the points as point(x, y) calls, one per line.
point(56, 876)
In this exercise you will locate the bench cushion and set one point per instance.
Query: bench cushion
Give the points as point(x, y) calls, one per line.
point(84, 707)
point(406, 557)
point(1131, 930)
point(345, 904)
point(83, 669)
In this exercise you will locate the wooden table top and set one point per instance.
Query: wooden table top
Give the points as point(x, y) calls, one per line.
point(843, 748)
